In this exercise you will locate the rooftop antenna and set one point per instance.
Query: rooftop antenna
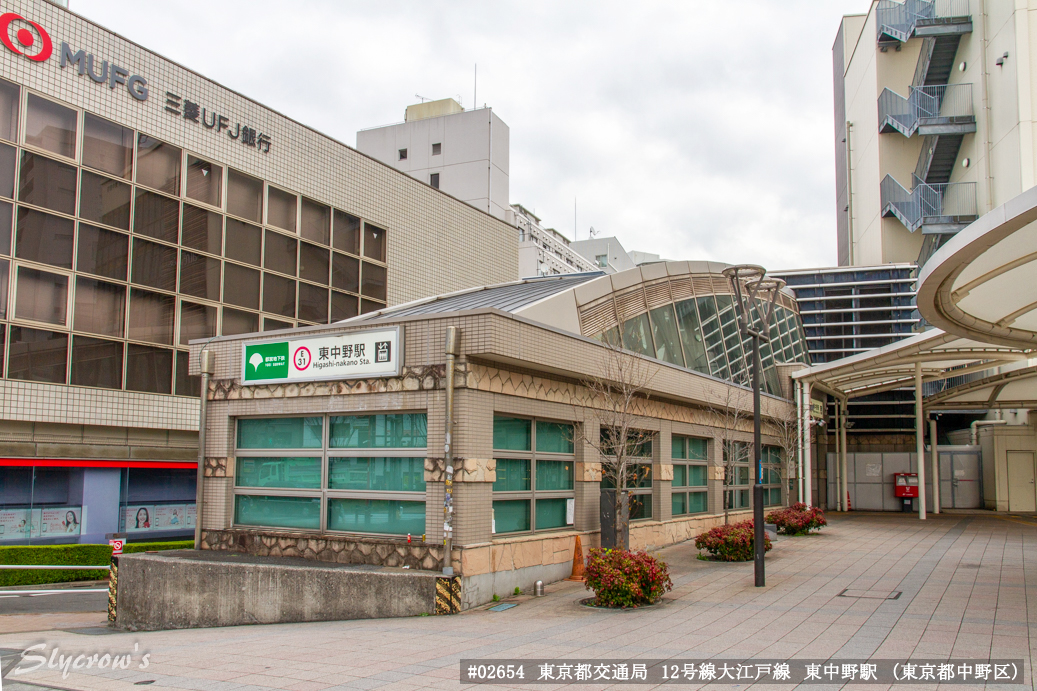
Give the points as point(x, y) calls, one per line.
point(423, 98)
point(593, 232)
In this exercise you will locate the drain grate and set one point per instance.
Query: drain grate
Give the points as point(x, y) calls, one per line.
point(870, 594)
point(501, 608)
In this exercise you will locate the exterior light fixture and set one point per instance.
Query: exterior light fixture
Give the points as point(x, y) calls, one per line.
point(962, 66)
point(965, 163)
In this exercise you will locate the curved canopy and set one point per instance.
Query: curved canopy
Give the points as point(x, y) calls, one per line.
point(1012, 389)
point(981, 284)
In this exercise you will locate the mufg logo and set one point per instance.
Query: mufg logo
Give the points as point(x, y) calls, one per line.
point(35, 45)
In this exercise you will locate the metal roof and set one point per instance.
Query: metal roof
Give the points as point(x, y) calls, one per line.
point(508, 297)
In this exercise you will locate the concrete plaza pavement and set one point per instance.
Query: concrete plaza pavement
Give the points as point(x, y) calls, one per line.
point(968, 585)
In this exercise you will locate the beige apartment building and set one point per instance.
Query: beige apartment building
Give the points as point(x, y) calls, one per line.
point(934, 114)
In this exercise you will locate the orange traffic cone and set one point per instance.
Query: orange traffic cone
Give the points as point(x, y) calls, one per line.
point(577, 574)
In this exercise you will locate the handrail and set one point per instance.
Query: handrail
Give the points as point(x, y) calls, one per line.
point(925, 201)
point(924, 103)
point(899, 19)
point(55, 567)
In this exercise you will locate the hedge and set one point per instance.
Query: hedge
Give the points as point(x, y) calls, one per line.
point(68, 555)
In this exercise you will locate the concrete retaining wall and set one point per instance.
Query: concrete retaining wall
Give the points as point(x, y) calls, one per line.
point(188, 589)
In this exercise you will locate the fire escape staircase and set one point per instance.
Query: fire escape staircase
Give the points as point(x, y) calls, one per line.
point(898, 22)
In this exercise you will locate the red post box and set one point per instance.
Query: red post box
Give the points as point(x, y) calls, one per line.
point(905, 485)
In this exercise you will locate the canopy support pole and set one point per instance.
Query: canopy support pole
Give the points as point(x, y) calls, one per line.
point(920, 441)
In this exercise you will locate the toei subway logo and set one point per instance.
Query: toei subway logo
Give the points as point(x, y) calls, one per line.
point(33, 45)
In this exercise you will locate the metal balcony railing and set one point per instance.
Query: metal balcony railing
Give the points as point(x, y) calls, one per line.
point(898, 20)
point(944, 104)
point(928, 204)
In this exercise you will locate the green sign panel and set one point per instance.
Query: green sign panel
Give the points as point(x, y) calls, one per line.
point(266, 361)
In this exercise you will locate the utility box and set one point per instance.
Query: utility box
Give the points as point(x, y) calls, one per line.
point(905, 487)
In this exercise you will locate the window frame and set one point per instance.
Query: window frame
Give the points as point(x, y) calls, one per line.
point(687, 462)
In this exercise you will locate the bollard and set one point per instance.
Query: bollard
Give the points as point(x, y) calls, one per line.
point(538, 589)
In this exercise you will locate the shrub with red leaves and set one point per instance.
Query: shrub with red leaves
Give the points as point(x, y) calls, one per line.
point(622, 578)
point(731, 542)
point(798, 519)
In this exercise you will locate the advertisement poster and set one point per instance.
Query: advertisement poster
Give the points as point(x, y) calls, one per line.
point(62, 520)
point(170, 517)
point(138, 518)
point(20, 524)
point(346, 356)
point(190, 515)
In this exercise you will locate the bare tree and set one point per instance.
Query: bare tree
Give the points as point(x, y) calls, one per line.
point(728, 418)
point(619, 393)
point(786, 430)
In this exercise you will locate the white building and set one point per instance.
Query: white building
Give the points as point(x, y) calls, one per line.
point(544, 251)
point(461, 152)
point(607, 254)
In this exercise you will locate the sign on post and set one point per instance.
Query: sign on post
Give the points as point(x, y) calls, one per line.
point(353, 355)
point(116, 546)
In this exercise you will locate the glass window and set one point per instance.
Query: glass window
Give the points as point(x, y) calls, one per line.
point(153, 265)
point(551, 513)
point(204, 181)
point(278, 512)
point(342, 306)
point(380, 516)
point(554, 475)
point(287, 472)
point(8, 157)
point(680, 475)
point(280, 208)
point(345, 272)
point(42, 296)
point(278, 295)
point(678, 447)
point(316, 221)
point(185, 384)
point(244, 196)
point(281, 433)
point(554, 437)
point(202, 230)
point(241, 286)
point(156, 216)
point(151, 317)
point(347, 232)
point(8, 110)
point(196, 321)
point(697, 448)
point(50, 126)
point(696, 476)
point(47, 183)
point(6, 218)
point(513, 475)
point(200, 276)
point(374, 281)
point(37, 355)
point(384, 474)
point(102, 252)
point(100, 307)
point(680, 503)
point(640, 506)
point(637, 336)
point(238, 322)
point(44, 238)
point(313, 303)
point(5, 275)
point(697, 502)
point(158, 165)
point(107, 147)
point(279, 253)
point(244, 242)
point(511, 516)
point(512, 434)
point(149, 369)
point(96, 362)
point(391, 431)
point(374, 242)
point(313, 263)
point(275, 324)
point(103, 200)
point(664, 330)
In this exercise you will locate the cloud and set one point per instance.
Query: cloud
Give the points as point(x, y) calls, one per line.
point(693, 130)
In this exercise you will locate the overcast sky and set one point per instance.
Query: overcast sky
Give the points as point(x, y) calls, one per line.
point(695, 130)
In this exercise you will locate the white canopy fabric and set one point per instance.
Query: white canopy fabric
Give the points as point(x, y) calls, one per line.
point(1011, 389)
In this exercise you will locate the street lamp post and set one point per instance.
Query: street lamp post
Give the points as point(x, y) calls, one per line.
point(752, 287)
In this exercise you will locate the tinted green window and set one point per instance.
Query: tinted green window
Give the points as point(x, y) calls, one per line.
point(740, 476)
point(640, 506)
point(512, 475)
point(697, 502)
point(278, 512)
point(553, 475)
point(641, 476)
point(680, 475)
point(395, 431)
point(637, 336)
point(664, 329)
point(677, 448)
point(550, 513)
point(280, 433)
point(377, 516)
point(278, 472)
point(680, 504)
point(386, 474)
point(552, 437)
point(512, 434)
point(511, 516)
point(696, 475)
point(691, 336)
point(696, 448)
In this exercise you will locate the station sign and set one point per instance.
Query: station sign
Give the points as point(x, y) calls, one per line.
point(352, 355)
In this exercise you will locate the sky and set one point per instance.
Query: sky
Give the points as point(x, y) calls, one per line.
point(689, 129)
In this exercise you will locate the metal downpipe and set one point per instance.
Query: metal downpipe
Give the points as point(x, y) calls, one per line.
point(207, 365)
point(452, 338)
